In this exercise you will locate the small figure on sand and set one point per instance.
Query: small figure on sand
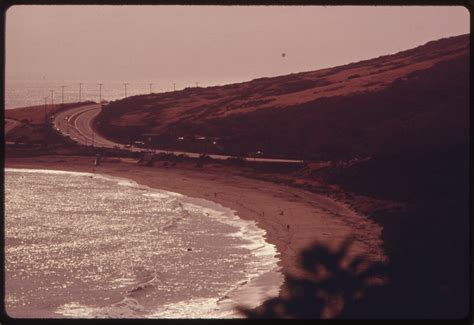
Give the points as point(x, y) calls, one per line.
point(288, 227)
point(215, 194)
point(97, 159)
point(282, 212)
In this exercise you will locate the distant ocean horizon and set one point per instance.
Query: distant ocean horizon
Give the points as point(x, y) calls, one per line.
point(24, 93)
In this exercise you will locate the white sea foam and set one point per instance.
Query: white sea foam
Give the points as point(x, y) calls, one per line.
point(254, 291)
point(48, 171)
point(127, 308)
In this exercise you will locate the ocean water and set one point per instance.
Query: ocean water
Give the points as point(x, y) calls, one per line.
point(23, 93)
point(80, 245)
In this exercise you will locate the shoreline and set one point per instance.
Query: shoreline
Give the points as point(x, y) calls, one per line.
point(249, 291)
point(272, 206)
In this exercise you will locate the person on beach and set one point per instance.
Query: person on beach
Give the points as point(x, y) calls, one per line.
point(288, 227)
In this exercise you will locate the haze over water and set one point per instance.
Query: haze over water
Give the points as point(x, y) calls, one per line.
point(23, 93)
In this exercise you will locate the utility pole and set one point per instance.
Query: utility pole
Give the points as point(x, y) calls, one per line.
point(125, 84)
point(62, 93)
point(100, 95)
point(45, 107)
point(80, 90)
point(150, 89)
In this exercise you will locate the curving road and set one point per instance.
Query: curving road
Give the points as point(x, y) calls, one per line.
point(76, 124)
point(10, 125)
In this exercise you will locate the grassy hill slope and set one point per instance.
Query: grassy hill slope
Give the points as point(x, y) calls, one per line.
point(409, 101)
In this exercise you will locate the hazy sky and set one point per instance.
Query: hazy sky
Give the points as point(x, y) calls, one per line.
point(211, 43)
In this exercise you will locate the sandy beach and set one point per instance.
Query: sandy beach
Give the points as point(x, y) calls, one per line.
point(310, 216)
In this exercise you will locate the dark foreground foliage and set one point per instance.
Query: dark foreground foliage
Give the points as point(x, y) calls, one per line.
point(339, 286)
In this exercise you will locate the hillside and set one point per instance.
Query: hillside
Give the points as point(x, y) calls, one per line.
point(410, 101)
point(31, 134)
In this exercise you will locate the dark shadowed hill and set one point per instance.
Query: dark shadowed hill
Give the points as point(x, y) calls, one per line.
point(406, 102)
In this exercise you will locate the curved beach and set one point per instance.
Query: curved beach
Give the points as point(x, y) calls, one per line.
point(272, 206)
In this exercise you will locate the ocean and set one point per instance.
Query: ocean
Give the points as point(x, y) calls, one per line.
point(23, 93)
point(82, 245)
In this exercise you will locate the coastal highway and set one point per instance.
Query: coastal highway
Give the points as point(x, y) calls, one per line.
point(76, 123)
point(10, 125)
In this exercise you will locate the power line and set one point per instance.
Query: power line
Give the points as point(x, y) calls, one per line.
point(100, 94)
point(125, 84)
point(45, 107)
point(62, 93)
point(80, 90)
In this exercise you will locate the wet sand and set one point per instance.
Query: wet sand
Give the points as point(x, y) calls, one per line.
point(273, 206)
